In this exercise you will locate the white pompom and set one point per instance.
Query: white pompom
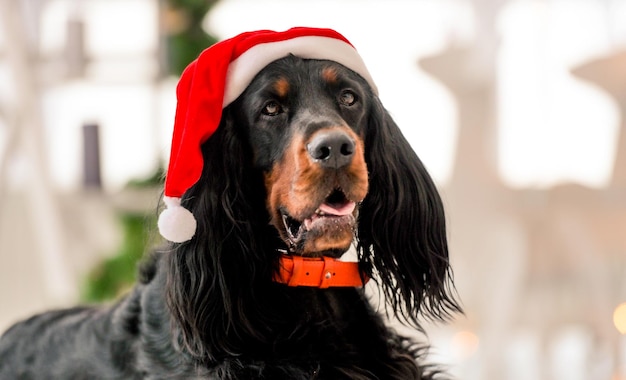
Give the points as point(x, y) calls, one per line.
point(176, 223)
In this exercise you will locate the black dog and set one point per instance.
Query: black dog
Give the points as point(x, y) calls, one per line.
point(308, 148)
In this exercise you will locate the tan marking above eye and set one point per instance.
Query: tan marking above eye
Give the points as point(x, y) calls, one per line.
point(330, 75)
point(281, 86)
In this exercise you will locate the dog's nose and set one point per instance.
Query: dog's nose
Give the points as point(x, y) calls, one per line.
point(332, 149)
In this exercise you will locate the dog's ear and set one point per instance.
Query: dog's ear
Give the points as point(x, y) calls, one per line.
point(214, 276)
point(402, 227)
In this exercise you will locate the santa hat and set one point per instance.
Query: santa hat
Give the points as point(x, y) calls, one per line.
point(214, 80)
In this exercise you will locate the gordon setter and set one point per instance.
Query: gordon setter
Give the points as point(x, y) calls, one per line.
point(305, 164)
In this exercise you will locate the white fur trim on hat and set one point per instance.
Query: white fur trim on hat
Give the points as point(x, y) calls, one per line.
point(242, 70)
point(176, 223)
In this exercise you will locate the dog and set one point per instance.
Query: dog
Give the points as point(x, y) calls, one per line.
point(305, 164)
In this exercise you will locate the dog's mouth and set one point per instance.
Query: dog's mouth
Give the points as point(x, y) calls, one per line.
point(335, 213)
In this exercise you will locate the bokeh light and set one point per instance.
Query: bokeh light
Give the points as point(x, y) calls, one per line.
point(619, 318)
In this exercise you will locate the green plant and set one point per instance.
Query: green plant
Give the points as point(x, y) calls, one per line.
point(186, 37)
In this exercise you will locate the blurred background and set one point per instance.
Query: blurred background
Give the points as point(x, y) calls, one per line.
point(517, 107)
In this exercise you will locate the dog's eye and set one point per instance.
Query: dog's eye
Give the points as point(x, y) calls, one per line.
point(347, 98)
point(272, 108)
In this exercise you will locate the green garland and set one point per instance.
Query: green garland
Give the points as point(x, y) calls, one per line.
point(117, 274)
point(185, 42)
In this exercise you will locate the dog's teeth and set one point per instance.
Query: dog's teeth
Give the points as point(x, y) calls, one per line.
point(307, 224)
point(290, 228)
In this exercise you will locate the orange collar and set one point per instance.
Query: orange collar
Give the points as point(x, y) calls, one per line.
point(320, 272)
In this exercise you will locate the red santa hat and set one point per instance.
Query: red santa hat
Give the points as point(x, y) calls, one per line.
point(214, 80)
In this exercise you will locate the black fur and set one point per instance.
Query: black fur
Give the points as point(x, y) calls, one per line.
point(208, 308)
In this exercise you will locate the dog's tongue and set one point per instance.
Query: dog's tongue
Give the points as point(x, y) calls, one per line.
point(338, 209)
point(330, 209)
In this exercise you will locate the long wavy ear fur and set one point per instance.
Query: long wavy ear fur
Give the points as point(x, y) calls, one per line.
point(402, 231)
point(215, 277)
